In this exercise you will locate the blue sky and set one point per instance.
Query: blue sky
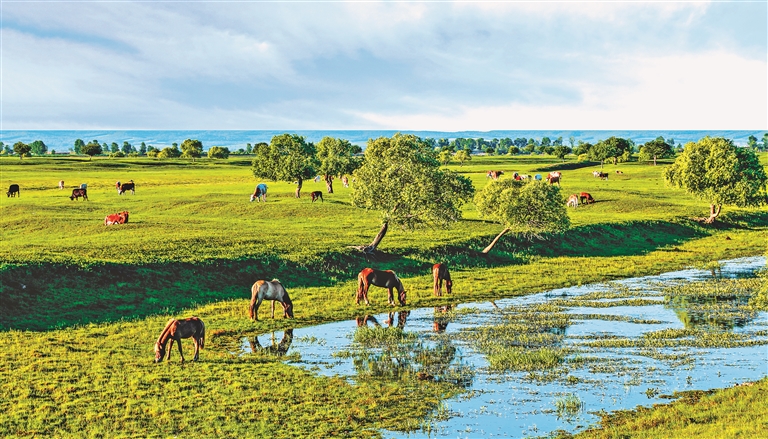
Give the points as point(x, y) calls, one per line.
point(444, 66)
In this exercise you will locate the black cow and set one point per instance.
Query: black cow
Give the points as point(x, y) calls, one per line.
point(13, 190)
point(77, 193)
point(128, 187)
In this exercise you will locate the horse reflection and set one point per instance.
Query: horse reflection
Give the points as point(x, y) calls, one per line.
point(276, 349)
point(402, 319)
point(441, 320)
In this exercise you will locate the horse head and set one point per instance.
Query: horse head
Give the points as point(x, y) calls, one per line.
point(159, 352)
point(448, 286)
point(401, 294)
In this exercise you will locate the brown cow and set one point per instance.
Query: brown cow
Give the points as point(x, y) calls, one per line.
point(116, 218)
point(554, 177)
point(79, 192)
point(586, 198)
point(315, 195)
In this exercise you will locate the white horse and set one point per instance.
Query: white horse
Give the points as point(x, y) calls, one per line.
point(269, 290)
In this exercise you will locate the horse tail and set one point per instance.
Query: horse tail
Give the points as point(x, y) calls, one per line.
point(360, 284)
point(254, 297)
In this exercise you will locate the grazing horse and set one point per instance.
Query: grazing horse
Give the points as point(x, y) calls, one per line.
point(61, 184)
point(116, 218)
point(385, 279)
point(554, 177)
point(13, 190)
point(315, 195)
point(345, 181)
point(79, 192)
point(494, 174)
point(260, 193)
point(586, 198)
point(440, 273)
point(269, 290)
point(175, 330)
point(573, 201)
point(130, 186)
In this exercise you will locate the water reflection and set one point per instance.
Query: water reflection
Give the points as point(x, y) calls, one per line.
point(711, 312)
point(441, 318)
point(275, 348)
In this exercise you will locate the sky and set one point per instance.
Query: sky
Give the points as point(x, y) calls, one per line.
point(436, 65)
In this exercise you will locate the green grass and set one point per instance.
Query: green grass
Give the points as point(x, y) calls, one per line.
point(82, 303)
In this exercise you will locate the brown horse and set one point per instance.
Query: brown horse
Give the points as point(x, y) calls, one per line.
point(385, 279)
point(269, 290)
point(440, 273)
point(175, 330)
point(316, 195)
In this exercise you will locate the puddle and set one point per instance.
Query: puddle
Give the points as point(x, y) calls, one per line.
point(432, 343)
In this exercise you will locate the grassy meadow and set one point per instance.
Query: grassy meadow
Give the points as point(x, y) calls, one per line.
point(82, 303)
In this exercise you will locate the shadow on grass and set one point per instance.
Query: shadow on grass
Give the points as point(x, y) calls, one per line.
point(48, 296)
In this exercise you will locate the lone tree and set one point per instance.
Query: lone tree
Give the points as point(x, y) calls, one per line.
point(401, 178)
point(719, 172)
point(218, 152)
point(91, 149)
point(656, 148)
point(288, 157)
point(462, 156)
point(336, 157)
point(528, 208)
point(21, 149)
point(191, 149)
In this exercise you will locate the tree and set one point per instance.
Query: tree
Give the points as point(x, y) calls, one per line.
point(114, 147)
point(402, 179)
point(152, 151)
point(445, 157)
point(91, 149)
point(514, 150)
point(561, 151)
point(336, 157)
point(21, 149)
point(546, 141)
point(127, 148)
point(462, 156)
point(527, 208)
point(571, 140)
point(765, 142)
point(192, 149)
point(719, 172)
point(169, 152)
point(752, 142)
point(288, 157)
point(610, 148)
point(248, 148)
point(217, 152)
point(143, 149)
point(79, 144)
point(38, 147)
point(656, 148)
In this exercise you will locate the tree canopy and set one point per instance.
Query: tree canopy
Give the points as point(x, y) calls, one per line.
point(717, 171)
point(528, 208)
point(218, 152)
point(38, 147)
point(191, 149)
point(21, 149)
point(656, 148)
point(91, 149)
point(288, 157)
point(401, 178)
point(336, 157)
point(610, 148)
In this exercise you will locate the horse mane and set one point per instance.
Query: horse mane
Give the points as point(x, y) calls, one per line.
point(276, 280)
point(165, 330)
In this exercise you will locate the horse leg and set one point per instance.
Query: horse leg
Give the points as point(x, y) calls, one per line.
point(197, 348)
point(170, 349)
point(273, 309)
point(365, 294)
point(256, 309)
point(180, 352)
point(390, 297)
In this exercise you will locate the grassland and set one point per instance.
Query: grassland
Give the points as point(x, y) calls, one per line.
point(82, 303)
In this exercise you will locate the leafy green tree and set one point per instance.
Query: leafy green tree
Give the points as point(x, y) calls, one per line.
point(490, 151)
point(288, 157)
point(445, 157)
point(248, 148)
point(143, 149)
point(582, 148)
point(192, 149)
point(530, 148)
point(572, 141)
point(765, 142)
point(558, 141)
point(169, 152)
point(561, 151)
point(114, 147)
point(217, 152)
point(546, 141)
point(462, 156)
point(38, 147)
point(117, 153)
point(127, 148)
point(152, 151)
point(513, 150)
point(610, 148)
point(336, 157)
point(656, 148)
point(79, 144)
point(719, 172)
point(21, 149)
point(527, 208)
point(402, 179)
point(752, 142)
point(91, 149)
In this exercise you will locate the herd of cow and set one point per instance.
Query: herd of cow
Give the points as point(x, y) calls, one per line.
point(554, 178)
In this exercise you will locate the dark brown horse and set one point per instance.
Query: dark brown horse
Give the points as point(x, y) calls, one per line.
point(385, 279)
point(316, 195)
point(440, 273)
point(175, 330)
point(269, 290)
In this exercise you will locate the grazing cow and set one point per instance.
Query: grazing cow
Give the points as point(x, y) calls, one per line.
point(494, 174)
point(260, 193)
point(554, 177)
point(61, 184)
point(315, 195)
point(517, 176)
point(525, 177)
point(130, 186)
point(573, 201)
point(600, 175)
point(619, 172)
point(117, 186)
point(13, 190)
point(78, 192)
point(345, 181)
point(586, 198)
point(386, 279)
point(116, 218)
point(440, 273)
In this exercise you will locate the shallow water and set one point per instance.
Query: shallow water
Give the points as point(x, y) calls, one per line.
point(511, 404)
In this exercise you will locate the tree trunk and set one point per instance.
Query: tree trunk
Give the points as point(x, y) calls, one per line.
point(714, 211)
point(329, 183)
point(377, 240)
point(654, 160)
point(495, 240)
point(298, 187)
